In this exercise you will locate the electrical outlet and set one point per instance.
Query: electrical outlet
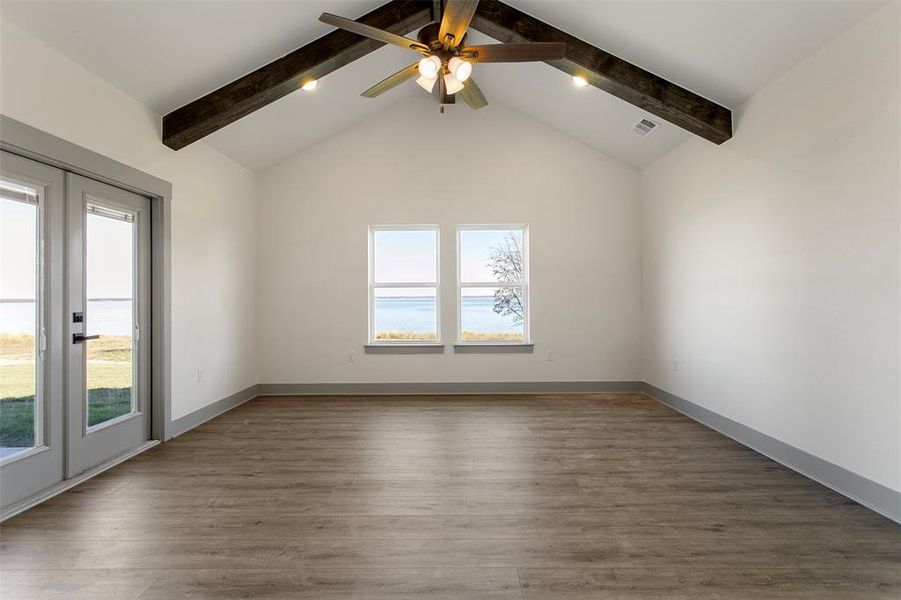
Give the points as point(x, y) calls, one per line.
point(675, 364)
point(351, 356)
point(551, 357)
point(199, 375)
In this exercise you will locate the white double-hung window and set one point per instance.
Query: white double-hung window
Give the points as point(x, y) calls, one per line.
point(404, 285)
point(493, 284)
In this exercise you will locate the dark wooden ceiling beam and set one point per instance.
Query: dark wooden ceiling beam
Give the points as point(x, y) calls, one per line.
point(612, 74)
point(285, 75)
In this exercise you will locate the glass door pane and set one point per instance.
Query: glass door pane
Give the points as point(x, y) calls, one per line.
point(109, 314)
point(20, 319)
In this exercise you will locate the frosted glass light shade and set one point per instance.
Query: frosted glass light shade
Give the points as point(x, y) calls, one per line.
point(451, 84)
point(460, 68)
point(429, 67)
point(427, 84)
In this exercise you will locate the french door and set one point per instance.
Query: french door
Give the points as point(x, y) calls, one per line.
point(108, 386)
point(74, 325)
point(32, 202)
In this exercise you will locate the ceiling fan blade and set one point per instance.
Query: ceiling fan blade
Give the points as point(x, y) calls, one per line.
point(455, 22)
point(472, 95)
point(525, 52)
point(405, 74)
point(373, 32)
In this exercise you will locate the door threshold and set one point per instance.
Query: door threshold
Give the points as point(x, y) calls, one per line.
point(68, 484)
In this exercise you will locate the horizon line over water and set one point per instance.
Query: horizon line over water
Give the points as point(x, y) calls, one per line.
point(104, 316)
point(418, 313)
point(15, 300)
point(403, 313)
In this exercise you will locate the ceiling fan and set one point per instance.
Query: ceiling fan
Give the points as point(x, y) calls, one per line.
point(446, 64)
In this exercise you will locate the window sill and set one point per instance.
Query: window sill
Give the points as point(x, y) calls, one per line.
point(494, 348)
point(424, 348)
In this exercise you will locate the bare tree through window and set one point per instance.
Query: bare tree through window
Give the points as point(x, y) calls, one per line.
point(506, 263)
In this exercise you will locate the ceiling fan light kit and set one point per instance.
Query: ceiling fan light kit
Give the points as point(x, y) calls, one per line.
point(444, 54)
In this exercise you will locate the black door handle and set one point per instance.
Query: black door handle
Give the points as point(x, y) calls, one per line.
point(78, 338)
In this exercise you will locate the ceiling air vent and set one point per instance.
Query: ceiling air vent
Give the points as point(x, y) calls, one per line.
point(644, 127)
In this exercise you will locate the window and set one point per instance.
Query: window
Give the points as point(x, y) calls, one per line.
point(110, 285)
point(403, 285)
point(493, 284)
point(22, 333)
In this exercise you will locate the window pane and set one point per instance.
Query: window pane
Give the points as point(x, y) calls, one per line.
point(405, 256)
point(18, 326)
point(406, 314)
point(492, 314)
point(491, 255)
point(109, 273)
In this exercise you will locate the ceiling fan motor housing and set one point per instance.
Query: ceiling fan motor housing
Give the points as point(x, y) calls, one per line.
point(428, 35)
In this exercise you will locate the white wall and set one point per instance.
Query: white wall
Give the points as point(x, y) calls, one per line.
point(393, 168)
point(771, 263)
point(213, 214)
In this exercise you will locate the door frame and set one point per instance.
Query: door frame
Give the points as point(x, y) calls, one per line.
point(26, 141)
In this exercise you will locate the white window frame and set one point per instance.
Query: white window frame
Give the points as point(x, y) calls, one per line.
point(409, 284)
point(94, 205)
point(524, 284)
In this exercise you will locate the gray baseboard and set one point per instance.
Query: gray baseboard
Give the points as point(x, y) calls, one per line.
point(210, 411)
point(871, 494)
point(510, 387)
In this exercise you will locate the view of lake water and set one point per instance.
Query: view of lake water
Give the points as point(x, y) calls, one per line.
point(104, 317)
point(113, 317)
point(418, 315)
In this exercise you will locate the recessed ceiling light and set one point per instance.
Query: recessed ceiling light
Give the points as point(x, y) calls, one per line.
point(310, 85)
point(579, 81)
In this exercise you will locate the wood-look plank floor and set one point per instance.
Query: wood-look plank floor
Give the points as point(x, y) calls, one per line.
point(476, 497)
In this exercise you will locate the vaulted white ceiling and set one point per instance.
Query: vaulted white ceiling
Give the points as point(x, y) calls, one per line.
point(167, 53)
